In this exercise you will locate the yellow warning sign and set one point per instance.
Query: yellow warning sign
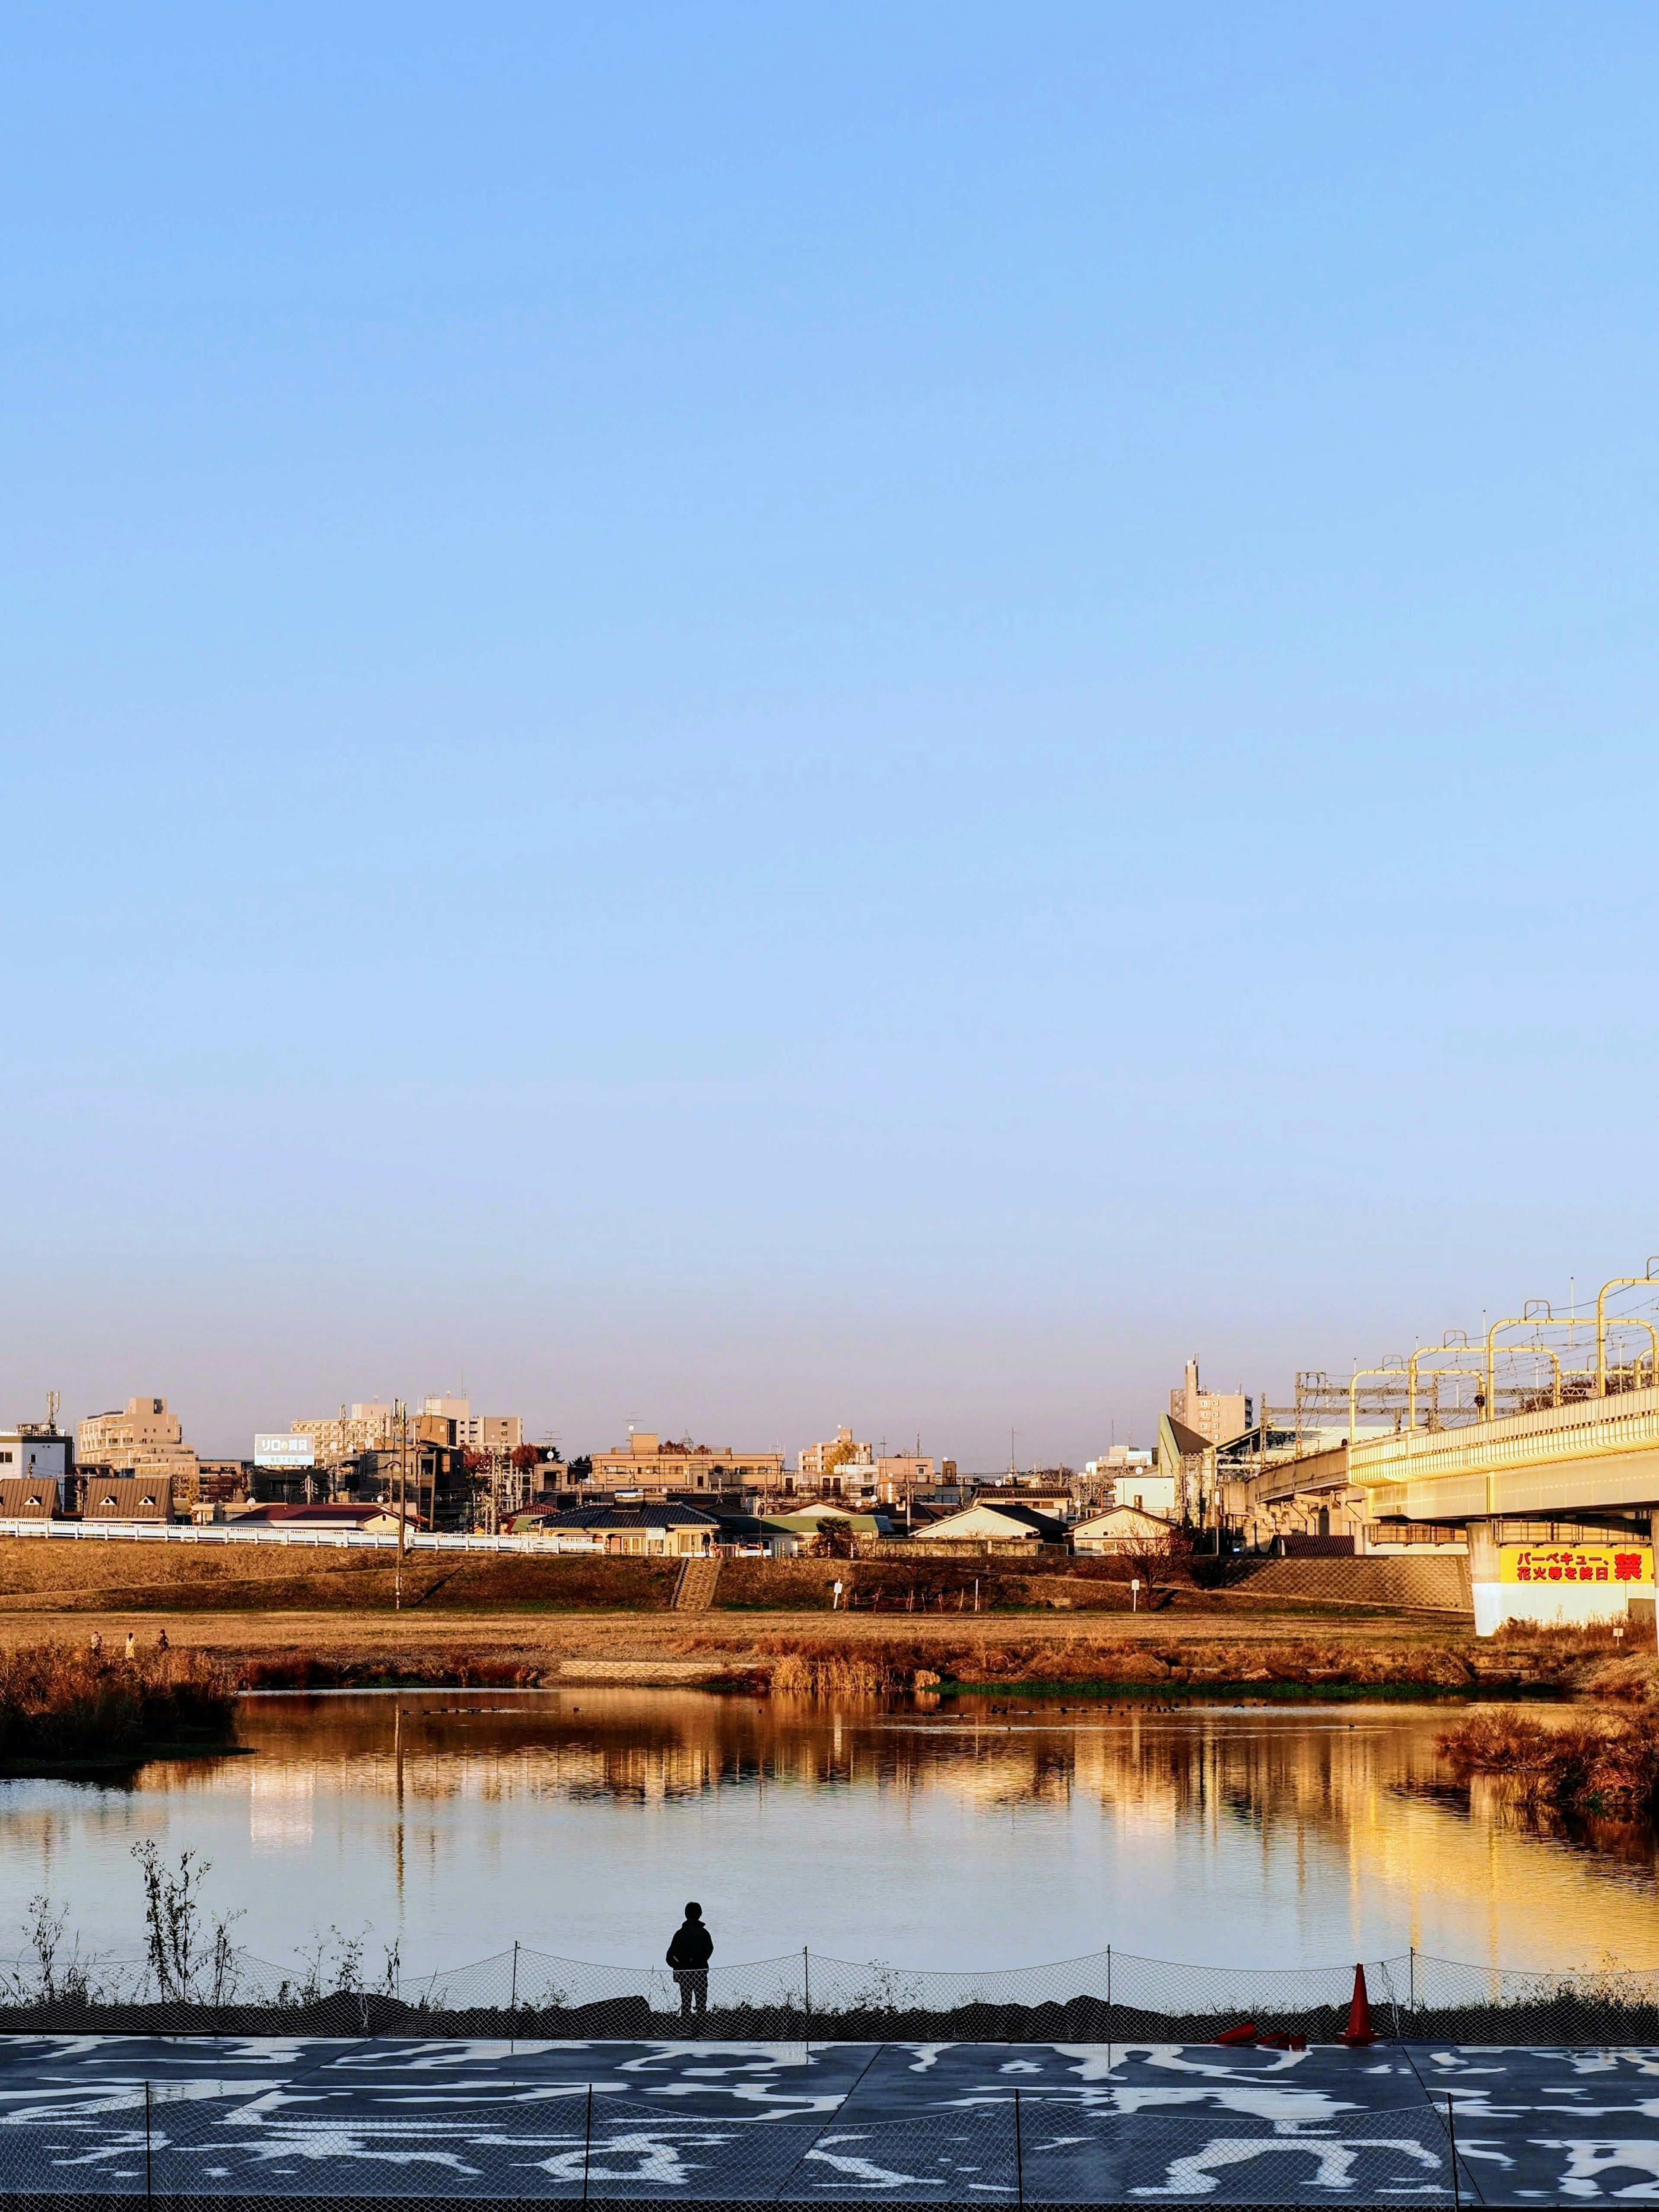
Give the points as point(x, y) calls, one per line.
point(1575, 1563)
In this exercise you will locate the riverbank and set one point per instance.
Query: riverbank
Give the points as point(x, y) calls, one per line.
point(854, 1655)
point(132, 1575)
point(65, 1706)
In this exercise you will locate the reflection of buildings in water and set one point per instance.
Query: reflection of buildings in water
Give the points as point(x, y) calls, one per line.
point(282, 1799)
point(1317, 1802)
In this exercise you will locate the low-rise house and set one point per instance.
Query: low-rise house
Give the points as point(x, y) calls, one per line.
point(982, 1522)
point(127, 1497)
point(1123, 1528)
point(749, 1536)
point(815, 1522)
point(23, 1498)
point(1153, 1493)
point(1053, 1499)
point(632, 1531)
point(366, 1519)
point(810, 1518)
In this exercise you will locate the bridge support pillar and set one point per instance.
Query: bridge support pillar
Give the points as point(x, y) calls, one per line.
point(1483, 1589)
point(1483, 1552)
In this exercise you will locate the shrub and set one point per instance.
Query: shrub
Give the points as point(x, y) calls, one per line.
point(1582, 1765)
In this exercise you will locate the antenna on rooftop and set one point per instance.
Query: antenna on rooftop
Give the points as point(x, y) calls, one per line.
point(52, 1413)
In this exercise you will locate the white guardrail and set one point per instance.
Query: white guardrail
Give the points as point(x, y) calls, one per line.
point(343, 1540)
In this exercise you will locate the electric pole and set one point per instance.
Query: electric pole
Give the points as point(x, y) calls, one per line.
point(402, 1411)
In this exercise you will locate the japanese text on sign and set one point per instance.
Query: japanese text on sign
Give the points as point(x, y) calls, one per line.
point(1575, 1563)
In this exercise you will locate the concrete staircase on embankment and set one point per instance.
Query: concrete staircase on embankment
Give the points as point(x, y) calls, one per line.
point(694, 1591)
point(1439, 1583)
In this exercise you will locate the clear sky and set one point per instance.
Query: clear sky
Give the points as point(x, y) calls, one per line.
point(751, 716)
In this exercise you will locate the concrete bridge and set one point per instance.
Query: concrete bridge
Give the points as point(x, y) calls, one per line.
point(1557, 1505)
point(1596, 1455)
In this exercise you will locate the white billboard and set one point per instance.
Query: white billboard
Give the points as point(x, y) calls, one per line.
point(284, 1451)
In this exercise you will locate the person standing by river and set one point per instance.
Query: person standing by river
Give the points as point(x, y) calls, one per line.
point(689, 1955)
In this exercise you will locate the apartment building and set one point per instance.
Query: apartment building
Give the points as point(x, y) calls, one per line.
point(1212, 1414)
point(144, 1427)
point(900, 1475)
point(648, 1461)
point(144, 1438)
point(1122, 1459)
point(494, 1435)
point(1126, 1475)
point(818, 1462)
point(34, 1456)
point(371, 1426)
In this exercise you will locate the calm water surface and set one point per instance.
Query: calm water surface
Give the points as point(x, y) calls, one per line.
point(578, 1821)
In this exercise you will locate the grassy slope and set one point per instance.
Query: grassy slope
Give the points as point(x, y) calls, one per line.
point(516, 1619)
point(137, 1576)
point(102, 1577)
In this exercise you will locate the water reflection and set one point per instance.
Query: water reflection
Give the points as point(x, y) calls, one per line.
point(579, 1822)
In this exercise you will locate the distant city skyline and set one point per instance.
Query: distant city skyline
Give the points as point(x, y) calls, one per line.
point(772, 1416)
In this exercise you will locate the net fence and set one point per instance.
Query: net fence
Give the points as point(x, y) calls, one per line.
point(186, 2151)
point(1111, 1996)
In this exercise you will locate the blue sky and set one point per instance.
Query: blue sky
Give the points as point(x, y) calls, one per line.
point(755, 716)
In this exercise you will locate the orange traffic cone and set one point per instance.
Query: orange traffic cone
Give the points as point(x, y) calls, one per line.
point(1358, 2030)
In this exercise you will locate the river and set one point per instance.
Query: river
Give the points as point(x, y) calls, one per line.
point(982, 1833)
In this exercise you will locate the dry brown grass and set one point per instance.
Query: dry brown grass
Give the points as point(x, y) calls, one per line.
point(831, 1674)
point(1596, 1763)
point(58, 1702)
point(36, 1575)
point(116, 1576)
point(866, 1662)
point(344, 1644)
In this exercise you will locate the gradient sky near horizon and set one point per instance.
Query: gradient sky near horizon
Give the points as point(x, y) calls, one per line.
point(754, 716)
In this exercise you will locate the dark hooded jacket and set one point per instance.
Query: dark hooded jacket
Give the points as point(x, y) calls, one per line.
point(693, 1945)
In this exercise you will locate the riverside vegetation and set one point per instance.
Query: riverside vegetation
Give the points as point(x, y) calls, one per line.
point(1582, 1764)
point(58, 1702)
point(481, 1619)
point(62, 1706)
point(854, 1658)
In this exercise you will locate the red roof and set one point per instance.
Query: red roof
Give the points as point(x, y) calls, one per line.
point(339, 1515)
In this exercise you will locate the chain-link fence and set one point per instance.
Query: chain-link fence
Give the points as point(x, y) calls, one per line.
point(185, 2151)
point(1111, 1996)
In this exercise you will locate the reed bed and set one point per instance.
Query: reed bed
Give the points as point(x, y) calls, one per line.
point(60, 1703)
point(827, 1671)
point(1599, 1764)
